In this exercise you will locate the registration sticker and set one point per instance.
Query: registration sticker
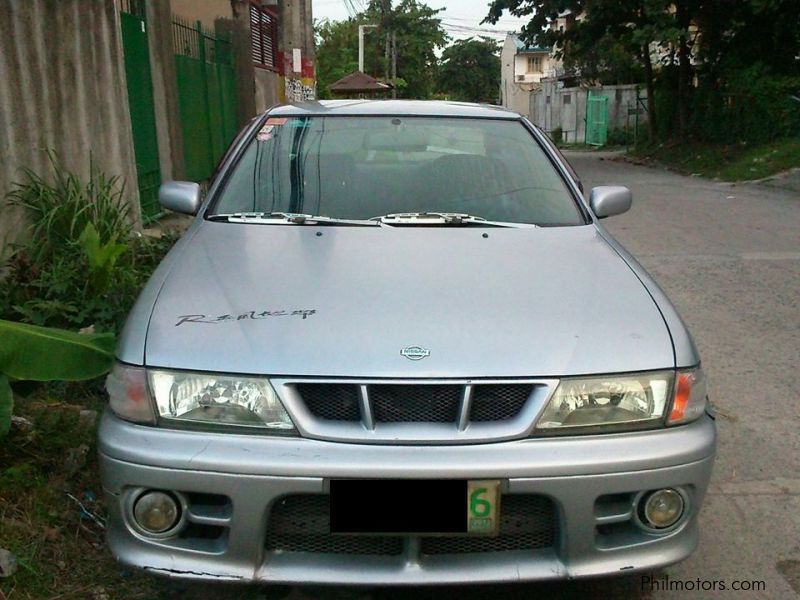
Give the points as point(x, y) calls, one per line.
point(483, 506)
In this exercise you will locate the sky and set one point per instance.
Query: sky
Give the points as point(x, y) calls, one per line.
point(461, 18)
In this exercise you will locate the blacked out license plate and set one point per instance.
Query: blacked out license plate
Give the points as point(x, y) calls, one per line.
point(415, 506)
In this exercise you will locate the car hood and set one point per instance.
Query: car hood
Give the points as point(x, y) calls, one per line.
point(345, 301)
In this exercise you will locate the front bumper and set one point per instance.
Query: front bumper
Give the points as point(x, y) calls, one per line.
point(254, 472)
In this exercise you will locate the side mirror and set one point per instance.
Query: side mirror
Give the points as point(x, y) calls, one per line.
point(610, 200)
point(180, 196)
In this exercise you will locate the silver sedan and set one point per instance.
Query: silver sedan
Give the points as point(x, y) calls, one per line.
point(397, 346)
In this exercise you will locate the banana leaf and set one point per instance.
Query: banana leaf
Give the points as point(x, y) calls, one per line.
point(33, 353)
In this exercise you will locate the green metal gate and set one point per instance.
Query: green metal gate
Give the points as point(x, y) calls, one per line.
point(206, 96)
point(142, 107)
point(596, 120)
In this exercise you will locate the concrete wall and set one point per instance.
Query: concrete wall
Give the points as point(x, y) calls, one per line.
point(549, 111)
point(62, 86)
point(165, 90)
point(268, 89)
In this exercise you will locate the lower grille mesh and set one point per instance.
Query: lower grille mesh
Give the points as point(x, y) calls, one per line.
point(527, 522)
point(301, 523)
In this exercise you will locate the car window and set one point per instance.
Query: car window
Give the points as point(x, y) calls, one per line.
point(364, 167)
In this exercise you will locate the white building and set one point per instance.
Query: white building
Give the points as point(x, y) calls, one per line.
point(522, 68)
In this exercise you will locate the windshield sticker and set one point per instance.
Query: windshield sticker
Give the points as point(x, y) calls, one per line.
point(251, 315)
point(277, 121)
point(266, 134)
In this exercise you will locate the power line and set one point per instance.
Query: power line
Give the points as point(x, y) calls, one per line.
point(475, 30)
point(351, 10)
point(473, 20)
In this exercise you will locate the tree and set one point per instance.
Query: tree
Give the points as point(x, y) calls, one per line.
point(337, 52)
point(419, 33)
point(634, 26)
point(711, 41)
point(470, 70)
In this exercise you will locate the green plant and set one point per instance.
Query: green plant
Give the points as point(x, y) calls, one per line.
point(31, 353)
point(619, 137)
point(60, 208)
point(102, 257)
point(556, 135)
point(81, 264)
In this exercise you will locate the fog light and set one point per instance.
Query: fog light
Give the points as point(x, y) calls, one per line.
point(156, 512)
point(661, 509)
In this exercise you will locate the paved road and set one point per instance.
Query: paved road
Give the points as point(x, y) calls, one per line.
point(729, 257)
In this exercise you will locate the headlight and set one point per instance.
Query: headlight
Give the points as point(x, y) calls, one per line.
point(218, 399)
point(614, 402)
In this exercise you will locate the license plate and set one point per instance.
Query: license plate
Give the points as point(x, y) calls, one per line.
point(414, 506)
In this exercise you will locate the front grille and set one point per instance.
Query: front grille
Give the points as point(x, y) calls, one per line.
point(527, 522)
point(331, 401)
point(301, 523)
point(498, 402)
point(414, 403)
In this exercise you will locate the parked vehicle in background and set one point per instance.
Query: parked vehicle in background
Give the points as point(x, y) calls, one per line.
point(397, 346)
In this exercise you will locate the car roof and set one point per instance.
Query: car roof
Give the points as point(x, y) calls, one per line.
point(417, 108)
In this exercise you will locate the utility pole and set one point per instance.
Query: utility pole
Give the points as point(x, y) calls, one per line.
point(386, 7)
point(394, 65)
point(361, 29)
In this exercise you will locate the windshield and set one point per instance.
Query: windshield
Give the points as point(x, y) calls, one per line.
point(367, 167)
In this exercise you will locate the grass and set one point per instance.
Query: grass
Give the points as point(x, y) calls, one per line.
point(60, 552)
point(733, 162)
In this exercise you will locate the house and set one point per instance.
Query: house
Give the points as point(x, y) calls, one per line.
point(534, 83)
point(359, 85)
point(522, 68)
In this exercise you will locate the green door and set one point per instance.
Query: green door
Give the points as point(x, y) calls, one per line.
point(596, 120)
point(206, 96)
point(143, 116)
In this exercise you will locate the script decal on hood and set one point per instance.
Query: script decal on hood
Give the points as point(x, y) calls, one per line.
point(250, 315)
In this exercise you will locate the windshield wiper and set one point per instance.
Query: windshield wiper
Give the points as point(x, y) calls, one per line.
point(442, 218)
point(285, 218)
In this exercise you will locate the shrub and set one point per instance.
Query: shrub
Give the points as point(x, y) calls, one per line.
point(556, 135)
point(749, 104)
point(619, 136)
point(82, 265)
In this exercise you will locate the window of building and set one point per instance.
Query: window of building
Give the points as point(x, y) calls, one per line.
point(567, 98)
point(264, 37)
point(534, 64)
point(547, 99)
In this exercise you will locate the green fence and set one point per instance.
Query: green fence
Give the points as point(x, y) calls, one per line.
point(596, 120)
point(206, 96)
point(142, 107)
